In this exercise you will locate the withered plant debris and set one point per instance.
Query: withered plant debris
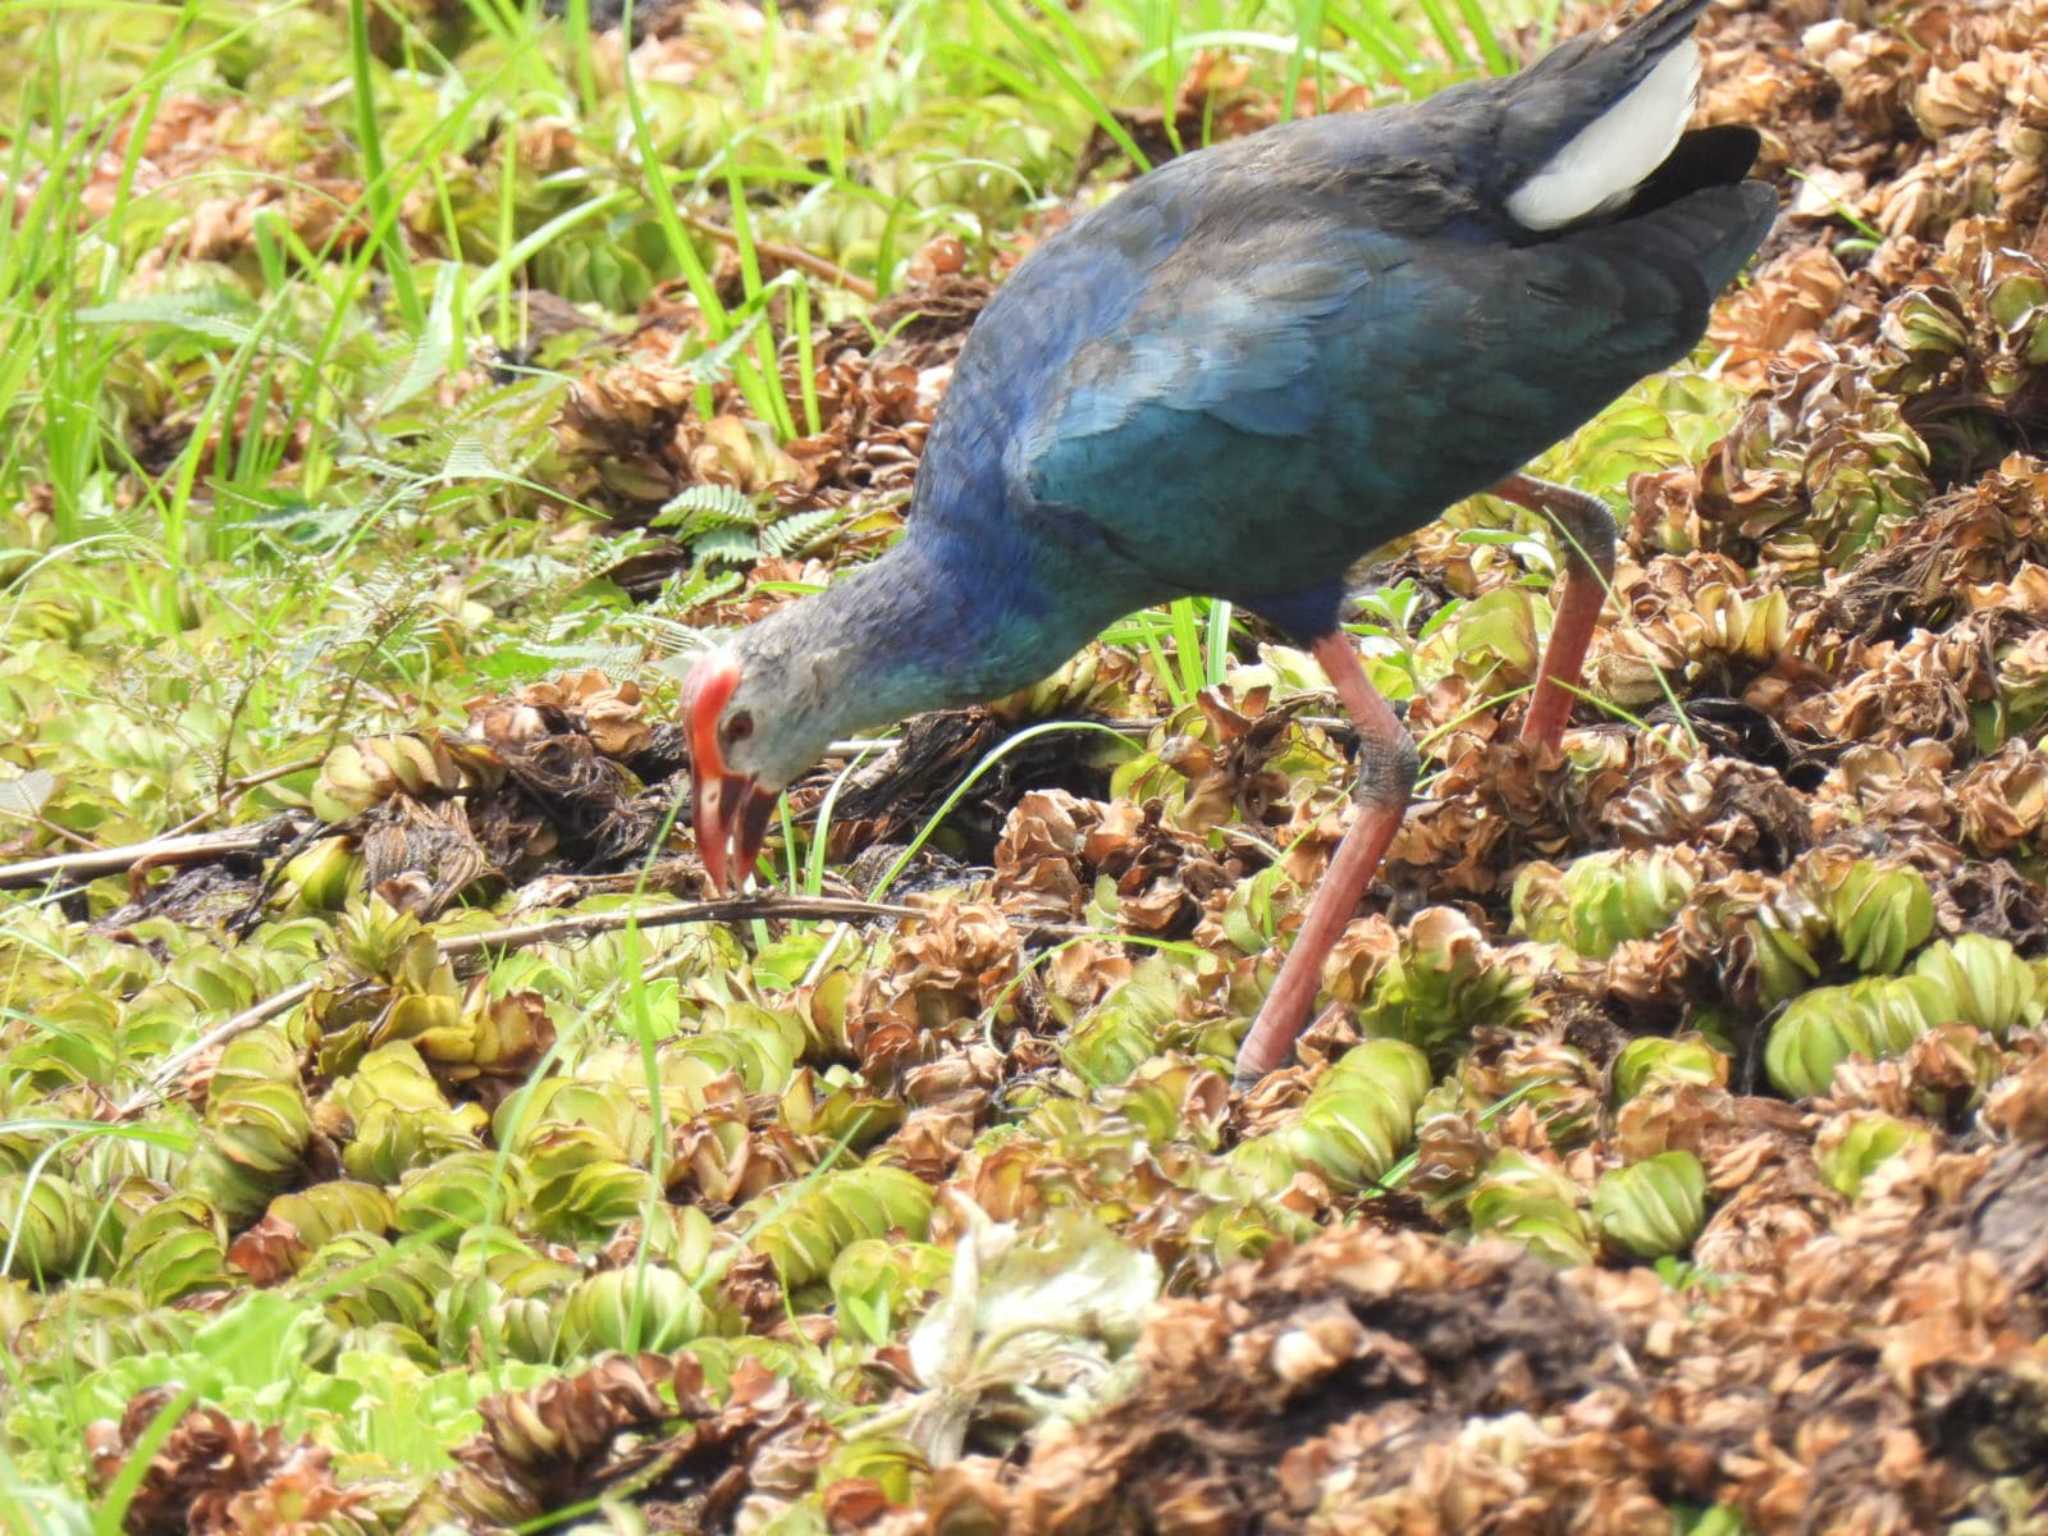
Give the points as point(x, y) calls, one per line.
point(1670, 1150)
point(894, 794)
point(544, 782)
point(217, 1476)
point(643, 1426)
point(1377, 1381)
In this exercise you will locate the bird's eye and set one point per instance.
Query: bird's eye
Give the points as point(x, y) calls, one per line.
point(739, 726)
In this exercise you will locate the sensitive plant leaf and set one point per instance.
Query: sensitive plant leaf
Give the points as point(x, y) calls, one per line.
point(800, 530)
point(474, 458)
point(731, 546)
point(216, 314)
point(712, 365)
point(438, 346)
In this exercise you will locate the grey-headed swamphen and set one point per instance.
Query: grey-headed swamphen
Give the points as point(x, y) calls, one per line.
point(1254, 365)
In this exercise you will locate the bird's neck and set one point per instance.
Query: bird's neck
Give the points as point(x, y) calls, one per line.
point(943, 619)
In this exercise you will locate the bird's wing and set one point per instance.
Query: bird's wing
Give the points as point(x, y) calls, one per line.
point(1303, 382)
point(1206, 289)
point(1243, 256)
point(1230, 405)
point(1269, 356)
point(1229, 330)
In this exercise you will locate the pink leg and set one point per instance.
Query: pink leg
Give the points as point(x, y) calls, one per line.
point(1387, 760)
point(1589, 534)
point(1386, 775)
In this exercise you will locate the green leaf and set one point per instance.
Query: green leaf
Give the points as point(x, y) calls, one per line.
point(437, 349)
point(700, 508)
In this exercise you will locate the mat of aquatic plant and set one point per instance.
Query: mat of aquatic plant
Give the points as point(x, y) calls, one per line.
point(393, 1138)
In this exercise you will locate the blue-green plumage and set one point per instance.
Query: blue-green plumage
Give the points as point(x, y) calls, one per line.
point(1249, 369)
point(1265, 359)
point(1234, 380)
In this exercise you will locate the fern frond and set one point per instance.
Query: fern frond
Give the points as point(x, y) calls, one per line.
point(698, 508)
point(699, 585)
point(734, 546)
point(800, 530)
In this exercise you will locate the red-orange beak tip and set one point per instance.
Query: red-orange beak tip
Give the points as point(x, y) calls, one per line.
point(730, 810)
point(732, 813)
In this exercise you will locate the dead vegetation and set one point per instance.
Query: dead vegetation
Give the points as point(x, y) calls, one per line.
point(1674, 1145)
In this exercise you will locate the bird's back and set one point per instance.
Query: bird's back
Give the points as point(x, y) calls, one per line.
point(1266, 358)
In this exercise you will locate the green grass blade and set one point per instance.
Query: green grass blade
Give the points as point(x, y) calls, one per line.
point(377, 185)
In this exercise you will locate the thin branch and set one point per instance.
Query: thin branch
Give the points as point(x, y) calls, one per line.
point(789, 256)
point(221, 780)
point(239, 787)
point(731, 909)
point(113, 861)
point(168, 1069)
point(62, 834)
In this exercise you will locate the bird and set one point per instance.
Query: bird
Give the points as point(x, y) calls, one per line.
point(1244, 372)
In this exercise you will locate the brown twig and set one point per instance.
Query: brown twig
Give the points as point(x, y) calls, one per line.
point(95, 862)
point(261, 1013)
point(789, 256)
point(667, 915)
point(731, 909)
point(236, 788)
point(62, 834)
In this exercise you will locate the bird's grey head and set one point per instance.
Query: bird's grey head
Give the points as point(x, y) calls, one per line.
point(760, 712)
